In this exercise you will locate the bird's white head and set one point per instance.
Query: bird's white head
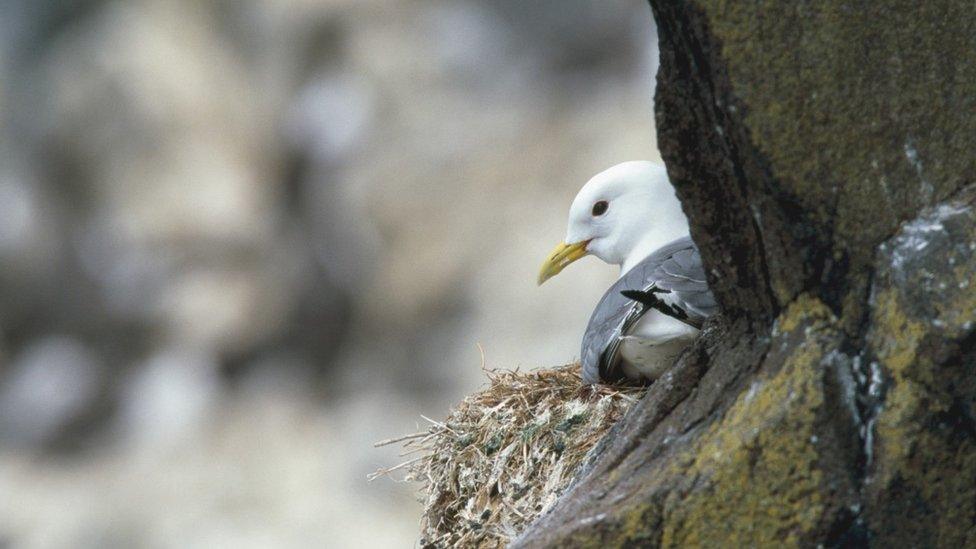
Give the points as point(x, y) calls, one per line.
point(621, 215)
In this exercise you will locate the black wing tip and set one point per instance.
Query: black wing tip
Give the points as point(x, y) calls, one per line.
point(633, 295)
point(648, 299)
point(645, 297)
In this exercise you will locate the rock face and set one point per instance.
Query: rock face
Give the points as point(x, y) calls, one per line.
point(823, 153)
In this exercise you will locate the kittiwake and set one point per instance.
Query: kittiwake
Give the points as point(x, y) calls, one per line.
point(629, 216)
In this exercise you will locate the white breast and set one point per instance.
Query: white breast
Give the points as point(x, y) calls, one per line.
point(652, 345)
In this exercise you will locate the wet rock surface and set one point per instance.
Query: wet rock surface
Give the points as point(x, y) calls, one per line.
point(828, 185)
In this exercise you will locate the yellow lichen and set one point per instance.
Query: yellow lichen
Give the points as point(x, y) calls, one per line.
point(759, 476)
point(921, 454)
point(899, 335)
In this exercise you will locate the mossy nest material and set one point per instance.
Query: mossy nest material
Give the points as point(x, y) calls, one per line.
point(505, 454)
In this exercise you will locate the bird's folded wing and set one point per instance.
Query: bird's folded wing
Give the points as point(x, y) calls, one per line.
point(675, 268)
point(682, 274)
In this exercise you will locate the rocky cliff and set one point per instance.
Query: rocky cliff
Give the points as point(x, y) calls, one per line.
point(824, 154)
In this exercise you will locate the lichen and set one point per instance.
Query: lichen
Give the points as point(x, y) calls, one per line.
point(852, 139)
point(759, 480)
point(925, 477)
point(800, 136)
point(847, 126)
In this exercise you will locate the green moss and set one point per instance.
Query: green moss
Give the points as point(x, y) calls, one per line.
point(530, 432)
point(494, 444)
point(570, 422)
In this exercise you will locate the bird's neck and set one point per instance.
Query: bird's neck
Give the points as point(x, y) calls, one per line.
point(649, 244)
point(659, 222)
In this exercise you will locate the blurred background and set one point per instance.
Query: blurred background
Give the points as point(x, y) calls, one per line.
point(242, 240)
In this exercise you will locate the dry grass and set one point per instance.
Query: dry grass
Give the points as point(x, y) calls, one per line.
point(505, 454)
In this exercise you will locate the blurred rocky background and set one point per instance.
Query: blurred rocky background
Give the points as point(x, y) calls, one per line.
point(241, 240)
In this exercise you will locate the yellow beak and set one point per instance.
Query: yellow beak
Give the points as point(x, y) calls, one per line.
point(563, 255)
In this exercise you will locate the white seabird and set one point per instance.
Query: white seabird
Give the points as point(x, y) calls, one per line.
point(629, 216)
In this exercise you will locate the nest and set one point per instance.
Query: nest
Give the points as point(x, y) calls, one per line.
point(505, 454)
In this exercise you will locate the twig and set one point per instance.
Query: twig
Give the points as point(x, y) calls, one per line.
point(390, 441)
point(386, 472)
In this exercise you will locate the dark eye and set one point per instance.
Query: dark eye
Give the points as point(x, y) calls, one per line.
point(600, 208)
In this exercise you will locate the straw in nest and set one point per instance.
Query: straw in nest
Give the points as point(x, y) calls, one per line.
point(505, 454)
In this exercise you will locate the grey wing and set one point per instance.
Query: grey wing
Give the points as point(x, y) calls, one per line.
point(611, 314)
point(683, 276)
point(675, 268)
